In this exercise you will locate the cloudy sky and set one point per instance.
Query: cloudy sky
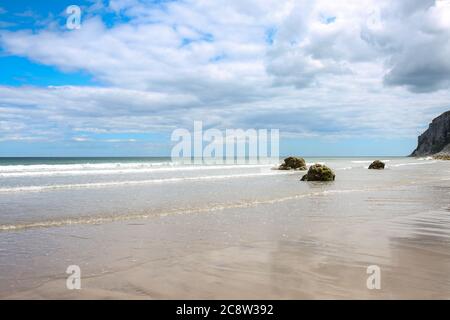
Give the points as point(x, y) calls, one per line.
point(354, 77)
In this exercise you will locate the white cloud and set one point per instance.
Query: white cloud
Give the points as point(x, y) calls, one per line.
point(414, 38)
point(328, 68)
point(80, 139)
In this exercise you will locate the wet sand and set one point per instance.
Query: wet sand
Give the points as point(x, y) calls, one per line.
point(269, 251)
point(225, 233)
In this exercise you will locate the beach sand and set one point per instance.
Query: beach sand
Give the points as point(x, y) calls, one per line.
point(297, 244)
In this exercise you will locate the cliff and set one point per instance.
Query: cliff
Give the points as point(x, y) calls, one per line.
point(436, 139)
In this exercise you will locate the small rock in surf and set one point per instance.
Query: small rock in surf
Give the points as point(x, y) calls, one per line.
point(377, 165)
point(319, 172)
point(293, 163)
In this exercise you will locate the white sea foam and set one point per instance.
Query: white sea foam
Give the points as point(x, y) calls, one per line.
point(425, 158)
point(70, 170)
point(313, 163)
point(211, 208)
point(368, 161)
point(346, 168)
point(412, 164)
point(82, 166)
point(40, 188)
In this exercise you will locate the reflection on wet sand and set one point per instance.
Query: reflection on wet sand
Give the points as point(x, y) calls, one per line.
point(329, 262)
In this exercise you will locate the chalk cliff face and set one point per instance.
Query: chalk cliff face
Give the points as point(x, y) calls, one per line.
point(436, 139)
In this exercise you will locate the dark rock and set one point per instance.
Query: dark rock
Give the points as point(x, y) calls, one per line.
point(293, 163)
point(440, 156)
point(377, 165)
point(436, 139)
point(319, 172)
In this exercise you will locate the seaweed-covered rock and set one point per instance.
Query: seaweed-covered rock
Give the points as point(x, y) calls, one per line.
point(319, 172)
point(377, 165)
point(293, 163)
point(442, 156)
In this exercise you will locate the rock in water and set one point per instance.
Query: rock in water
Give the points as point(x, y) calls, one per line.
point(293, 163)
point(377, 165)
point(436, 139)
point(443, 156)
point(319, 172)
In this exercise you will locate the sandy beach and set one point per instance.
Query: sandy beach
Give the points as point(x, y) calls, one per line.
point(225, 150)
point(259, 235)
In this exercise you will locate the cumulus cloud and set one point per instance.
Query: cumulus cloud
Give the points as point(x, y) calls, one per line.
point(56, 110)
point(307, 67)
point(318, 39)
point(409, 38)
point(414, 36)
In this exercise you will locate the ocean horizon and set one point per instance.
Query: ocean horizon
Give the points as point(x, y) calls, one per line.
point(29, 160)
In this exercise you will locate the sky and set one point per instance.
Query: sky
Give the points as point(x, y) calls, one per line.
point(337, 78)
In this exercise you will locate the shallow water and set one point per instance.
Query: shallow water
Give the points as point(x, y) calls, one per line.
point(147, 229)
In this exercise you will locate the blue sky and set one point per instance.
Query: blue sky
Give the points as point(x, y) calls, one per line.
point(359, 78)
